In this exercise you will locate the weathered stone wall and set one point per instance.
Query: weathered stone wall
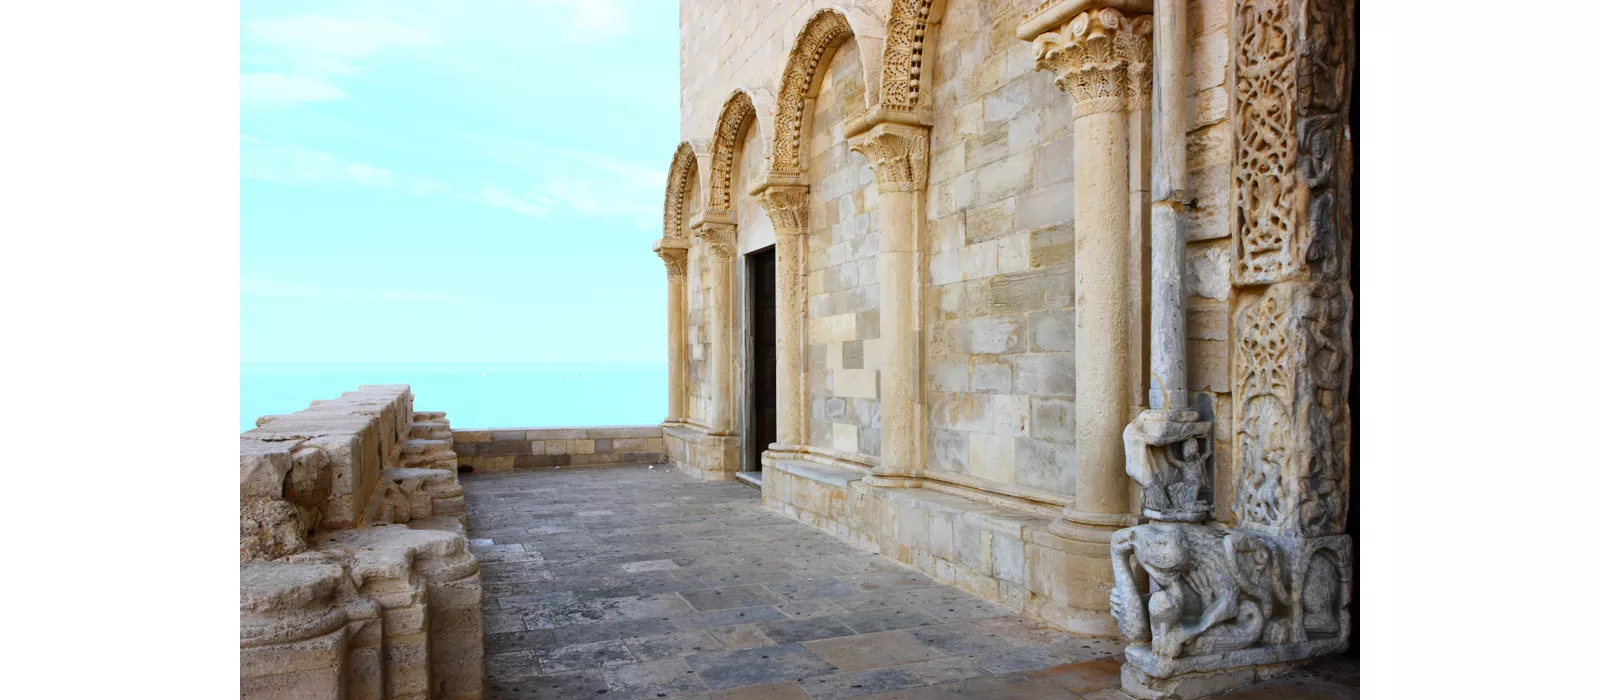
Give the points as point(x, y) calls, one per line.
point(355, 575)
point(842, 280)
point(501, 449)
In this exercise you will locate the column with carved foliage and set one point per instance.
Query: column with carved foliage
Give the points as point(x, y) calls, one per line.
point(1099, 52)
point(898, 154)
point(787, 205)
point(1225, 607)
point(716, 229)
point(674, 253)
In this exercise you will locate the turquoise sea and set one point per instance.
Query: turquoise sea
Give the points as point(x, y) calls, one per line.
point(474, 395)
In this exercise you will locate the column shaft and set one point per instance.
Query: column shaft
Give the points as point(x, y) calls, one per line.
point(1100, 151)
point(720, 418)
point(1168, 362)
point(677, 376)
point(897, 377)
point(791, 338)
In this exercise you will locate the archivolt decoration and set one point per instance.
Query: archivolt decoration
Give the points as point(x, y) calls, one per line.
point(903, 43)
point(825, 31)
point(747, 107)
point(686, 162)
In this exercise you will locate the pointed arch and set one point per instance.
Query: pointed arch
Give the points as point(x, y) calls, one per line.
point(747, 107)
point(691, 160)
point(823, 33)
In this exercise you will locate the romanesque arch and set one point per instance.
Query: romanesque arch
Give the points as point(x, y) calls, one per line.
point(690, 161)
point(908, 31)
point(745, 108)
point(823, 33)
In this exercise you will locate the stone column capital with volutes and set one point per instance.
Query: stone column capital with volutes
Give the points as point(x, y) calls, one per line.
point(719, 231)
point(1101, 55)
point(898, 154)
point(786, 203)
point(674, 253)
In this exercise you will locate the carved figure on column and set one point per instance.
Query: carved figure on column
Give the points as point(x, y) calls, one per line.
point(1167, 453)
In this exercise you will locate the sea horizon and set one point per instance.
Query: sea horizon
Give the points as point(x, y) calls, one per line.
point(474, 395)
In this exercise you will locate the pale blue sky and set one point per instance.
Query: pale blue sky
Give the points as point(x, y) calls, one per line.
point(454, 181)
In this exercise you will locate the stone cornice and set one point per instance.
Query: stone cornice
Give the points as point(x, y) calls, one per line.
point(1051, 14)
point(1102, 57)
point(898, 154)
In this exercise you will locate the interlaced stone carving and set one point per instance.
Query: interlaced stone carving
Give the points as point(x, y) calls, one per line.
point(1263, 128)
point(898, 154)
point(823, 31)
point(1292, 373)
point(787, 206)
point(902, 54)
point(1102, 57)
point(731, 123)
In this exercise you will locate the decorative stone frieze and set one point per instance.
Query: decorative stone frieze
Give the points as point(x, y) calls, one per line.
point(825, 30)
point(1101, 57)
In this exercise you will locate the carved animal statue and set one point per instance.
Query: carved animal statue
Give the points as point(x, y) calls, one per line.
point(1210, 590)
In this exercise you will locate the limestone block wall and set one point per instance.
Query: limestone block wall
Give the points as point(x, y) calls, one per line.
point(842, 274)
point(501, 449)
point(1000, 307)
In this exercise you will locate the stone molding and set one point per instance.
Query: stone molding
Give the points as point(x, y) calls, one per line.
point(823, 32)
point(1102, 57)
point(898, 154)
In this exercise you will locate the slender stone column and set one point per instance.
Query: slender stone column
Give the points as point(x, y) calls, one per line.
point(786, 203)
point(1169, 379)
point(1101, 56)
point(898, 154)
point(717, 230)
point(674, 253)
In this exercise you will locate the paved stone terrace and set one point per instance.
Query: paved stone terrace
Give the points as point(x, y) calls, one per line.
point(629, 582)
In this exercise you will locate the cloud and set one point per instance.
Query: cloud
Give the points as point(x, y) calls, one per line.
point(293, 166)
point(525, 205)
point(277, 89)
point(281, 289)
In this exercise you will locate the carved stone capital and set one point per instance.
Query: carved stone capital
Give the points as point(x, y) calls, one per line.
point(1102, 57)
point(898, 154)
point(787, 206)
point(674, 252)
point(718, 230)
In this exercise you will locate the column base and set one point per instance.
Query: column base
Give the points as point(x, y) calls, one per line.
point(701, 454)
point(1087, 552)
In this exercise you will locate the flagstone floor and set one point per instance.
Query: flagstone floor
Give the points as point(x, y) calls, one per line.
point(628, 583)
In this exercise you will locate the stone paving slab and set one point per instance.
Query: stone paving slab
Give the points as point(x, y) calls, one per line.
point(633, 583)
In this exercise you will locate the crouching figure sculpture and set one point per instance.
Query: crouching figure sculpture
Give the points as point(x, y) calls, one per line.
point(1210, 590)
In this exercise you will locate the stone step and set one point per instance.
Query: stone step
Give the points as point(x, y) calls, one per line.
point(425, 447)
point(429, 417)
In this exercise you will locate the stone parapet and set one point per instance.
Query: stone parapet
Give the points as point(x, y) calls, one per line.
point(500, 449)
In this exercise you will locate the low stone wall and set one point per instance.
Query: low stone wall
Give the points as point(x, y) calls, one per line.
point(355, 576)
point(500, 449)
point(1002, 553)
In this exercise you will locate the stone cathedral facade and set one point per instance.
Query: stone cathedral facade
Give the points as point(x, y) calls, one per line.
point(1059, 308)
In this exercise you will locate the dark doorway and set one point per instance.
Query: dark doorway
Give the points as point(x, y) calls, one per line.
point(762, 268)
